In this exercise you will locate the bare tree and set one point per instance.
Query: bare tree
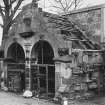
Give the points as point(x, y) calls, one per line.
point(65, 6)
point(8, 11)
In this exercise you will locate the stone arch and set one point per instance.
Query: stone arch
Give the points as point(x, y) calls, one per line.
point(16, 66)
point(47, 50)
point(16, 52)
point(43, 54)
point(51, 39)
point(10, 42)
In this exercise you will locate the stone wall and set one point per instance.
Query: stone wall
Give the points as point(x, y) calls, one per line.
point(84, 79)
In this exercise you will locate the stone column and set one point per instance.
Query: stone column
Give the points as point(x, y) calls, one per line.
point(27, 92)
point(58, 79)
point(27, 74)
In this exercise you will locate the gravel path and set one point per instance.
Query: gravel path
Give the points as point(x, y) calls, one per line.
point(7, 98)
point(13, 99)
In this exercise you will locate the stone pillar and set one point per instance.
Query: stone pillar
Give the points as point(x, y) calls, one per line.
point(27, 74)
point(27, 92)
point(58, 79)
point(3, 77)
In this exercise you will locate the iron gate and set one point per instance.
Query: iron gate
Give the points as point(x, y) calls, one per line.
point(16, 77)
point(43, 79)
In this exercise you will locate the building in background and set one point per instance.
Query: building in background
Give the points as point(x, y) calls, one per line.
point(92, 21)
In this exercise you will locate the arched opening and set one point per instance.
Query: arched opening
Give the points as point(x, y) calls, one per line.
point(15, 68)
point(43, 52)
point(43, 69)
point(16, 52)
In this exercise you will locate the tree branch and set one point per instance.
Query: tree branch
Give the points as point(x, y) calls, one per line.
point(71, 4)
point(57, 7)
point(78, 3)
point(1, 12)
point(10, 17)
point(5, 2)
point(16, 8)
point(66, 3)
point(61, 4)
point(12, 1)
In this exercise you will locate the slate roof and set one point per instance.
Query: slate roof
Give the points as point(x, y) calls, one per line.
point(72, 32)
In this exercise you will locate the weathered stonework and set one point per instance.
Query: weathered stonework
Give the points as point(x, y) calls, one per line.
point(36, 31)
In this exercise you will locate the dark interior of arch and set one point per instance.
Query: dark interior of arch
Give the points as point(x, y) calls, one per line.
point(16, 52)
point(43, 52)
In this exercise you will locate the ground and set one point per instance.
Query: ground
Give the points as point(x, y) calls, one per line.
point(7, 98)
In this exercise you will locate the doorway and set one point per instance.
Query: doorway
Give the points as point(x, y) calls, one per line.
point(43, 69)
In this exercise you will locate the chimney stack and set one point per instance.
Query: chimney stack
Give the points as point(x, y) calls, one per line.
point(35, 3)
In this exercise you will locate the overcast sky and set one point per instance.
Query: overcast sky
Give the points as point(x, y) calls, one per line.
point(45, 4)
point(84, 3)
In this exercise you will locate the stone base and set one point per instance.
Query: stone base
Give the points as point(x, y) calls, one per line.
point(27, 94)
point(3, 87)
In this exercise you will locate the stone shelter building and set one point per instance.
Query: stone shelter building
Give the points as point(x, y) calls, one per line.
point(46, 53)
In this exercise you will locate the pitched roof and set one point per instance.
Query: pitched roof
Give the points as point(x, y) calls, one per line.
point(72, 32)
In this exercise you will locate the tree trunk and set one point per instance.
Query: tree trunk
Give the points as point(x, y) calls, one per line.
point(4, 35)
